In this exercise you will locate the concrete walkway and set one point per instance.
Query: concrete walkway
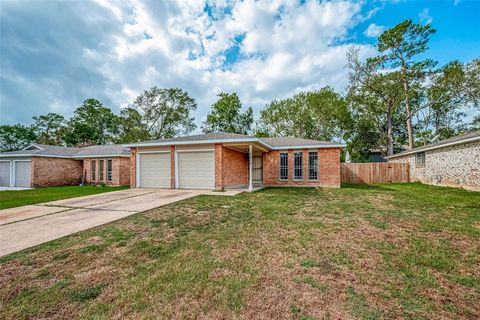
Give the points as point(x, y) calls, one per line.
point(27, 226)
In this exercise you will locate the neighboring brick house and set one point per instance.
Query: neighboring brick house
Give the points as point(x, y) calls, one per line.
point(41, 165)
point(450, 162)
point(223, 160)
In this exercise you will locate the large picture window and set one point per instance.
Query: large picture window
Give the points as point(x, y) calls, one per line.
point(283, 166)
point(93, 170)
point(298, 165)
point(109, 170)
point(420, 159)
point(313, 165)
point(101, 164)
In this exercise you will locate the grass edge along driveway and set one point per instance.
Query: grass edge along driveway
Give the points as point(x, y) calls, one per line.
point(17, 198)
point(406, 251)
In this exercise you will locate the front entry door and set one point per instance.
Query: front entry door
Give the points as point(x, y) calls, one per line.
point(257, 170)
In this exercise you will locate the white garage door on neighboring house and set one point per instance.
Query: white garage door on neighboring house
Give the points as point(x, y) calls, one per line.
point(23, 174)
point(4, 173)
point(155, 170)
point(196, 170)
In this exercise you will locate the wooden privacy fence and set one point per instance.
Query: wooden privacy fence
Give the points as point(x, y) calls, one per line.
point(375, 172)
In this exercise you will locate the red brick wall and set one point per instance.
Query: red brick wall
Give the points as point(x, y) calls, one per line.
point(48, 172)
point(328, 169)
point(123, 170)
point(235, 172)
point(120, 171)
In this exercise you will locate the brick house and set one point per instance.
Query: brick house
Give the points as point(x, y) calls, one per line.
point(452, 162)
point(41, 165)
point(226, 160)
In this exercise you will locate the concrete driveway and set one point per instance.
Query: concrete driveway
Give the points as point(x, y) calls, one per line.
point(27, 226)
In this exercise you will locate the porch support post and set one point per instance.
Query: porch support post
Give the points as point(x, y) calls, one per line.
point(250, 170)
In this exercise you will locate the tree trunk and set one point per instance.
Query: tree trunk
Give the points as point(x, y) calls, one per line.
point(389, 133)
point(408, 108)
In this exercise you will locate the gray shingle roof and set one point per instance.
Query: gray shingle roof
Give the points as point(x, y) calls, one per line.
point(104, 150)
point(204, 136)
point(222, 136)
point(286, 142)
point(44, 150)
point(453, 140)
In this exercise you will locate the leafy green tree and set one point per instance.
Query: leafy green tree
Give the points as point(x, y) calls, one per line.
point(317, 115)
point(400, 47)
point(15, 137)
point(131, 127)
point(374, 97)
point(450, 91)
point(225, 116)
point(92, 123)
point(49, 128)
point(166, 112)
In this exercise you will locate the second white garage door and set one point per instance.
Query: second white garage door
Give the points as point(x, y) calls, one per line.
point(196, 170)
point(155, 170)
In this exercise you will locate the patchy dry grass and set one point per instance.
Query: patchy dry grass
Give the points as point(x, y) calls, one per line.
point(387, 251)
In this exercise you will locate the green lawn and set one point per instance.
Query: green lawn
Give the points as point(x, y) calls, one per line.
point(368, 252)
point(10, 199)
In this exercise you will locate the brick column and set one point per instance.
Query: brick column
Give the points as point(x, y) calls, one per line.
point(218, 166)
point(133, 167)
point(172, 167)
point(305, 165)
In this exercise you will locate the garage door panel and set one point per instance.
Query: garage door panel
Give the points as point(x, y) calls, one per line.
point(23, 174)
point(155, 170)
point(196, 170)
point(4, 173)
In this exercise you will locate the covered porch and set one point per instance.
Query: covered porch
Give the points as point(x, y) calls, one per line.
point(253, 162)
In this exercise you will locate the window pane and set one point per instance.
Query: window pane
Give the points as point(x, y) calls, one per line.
point(93, 168)
point(283, 166)
point(298, 167)
point(313, 165)
point(109, 170)
point(420, 159)
point(101, 164)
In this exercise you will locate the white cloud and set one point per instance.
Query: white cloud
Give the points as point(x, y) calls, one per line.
point(137, 44)
point(374, 30)
point(424, 16)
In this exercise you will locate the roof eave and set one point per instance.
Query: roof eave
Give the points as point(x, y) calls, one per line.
point(423, 149)
point(176, 143)
point(102, 156)
point(313, 146)
point(22, 155)
point(256, 140)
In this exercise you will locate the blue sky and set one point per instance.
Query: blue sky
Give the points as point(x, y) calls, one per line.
point(55, 54)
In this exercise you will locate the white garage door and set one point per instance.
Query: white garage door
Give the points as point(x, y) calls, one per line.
point(23, 174)
point(4, 173)
point(155, 170)
point(196, 170)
